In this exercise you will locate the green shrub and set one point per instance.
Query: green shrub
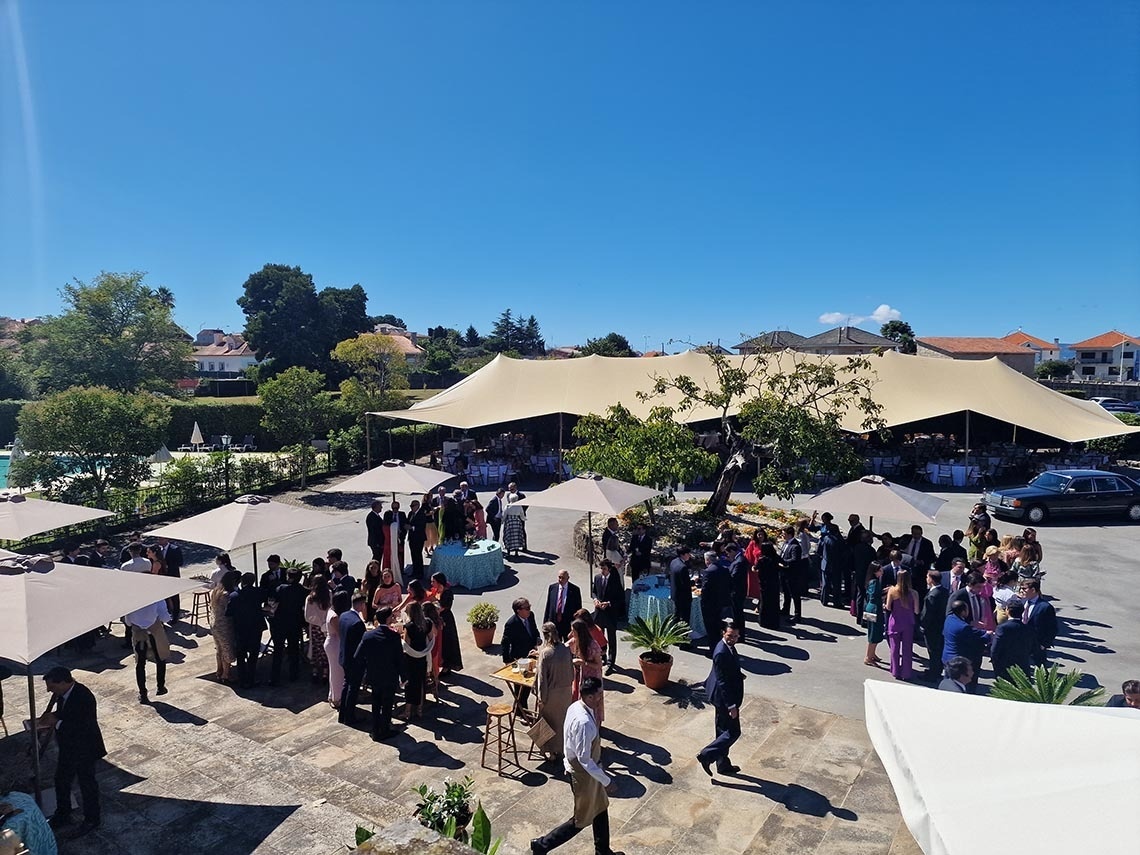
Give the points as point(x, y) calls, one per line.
point(9, 410)
point(1119, 446)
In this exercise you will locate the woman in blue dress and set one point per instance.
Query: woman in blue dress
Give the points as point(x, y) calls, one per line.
point(874, 605)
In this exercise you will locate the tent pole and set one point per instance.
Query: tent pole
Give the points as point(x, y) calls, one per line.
point(559, 478)
point(389, 440)
point(367, 442)
point(1015, 434)
point(966, 461)
point(255, 558)
point(35, 738)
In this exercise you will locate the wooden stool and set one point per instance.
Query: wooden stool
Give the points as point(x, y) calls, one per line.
point(500, 734)
point(200, 607)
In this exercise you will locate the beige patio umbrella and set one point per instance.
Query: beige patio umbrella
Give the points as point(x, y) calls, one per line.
point(247, 520)
point(393, 476)
point(32, 587)
point(196, 436)
point(875, 496)
point(163, 455)
point(22, 517)
point(594, 494)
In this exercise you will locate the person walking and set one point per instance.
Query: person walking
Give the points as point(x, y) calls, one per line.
point(380, 657)
point(80, 744)
point(902, 610)
point(724, 689)
point(591, 786)
point(148, 635)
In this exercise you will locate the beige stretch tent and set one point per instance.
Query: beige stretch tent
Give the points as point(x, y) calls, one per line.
point(909, 388)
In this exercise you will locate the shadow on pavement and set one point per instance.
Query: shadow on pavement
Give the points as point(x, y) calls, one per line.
point(792, 796)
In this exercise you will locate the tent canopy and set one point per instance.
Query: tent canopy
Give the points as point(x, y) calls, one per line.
point(908, 388)
point(1076, 765)
point(247, 520)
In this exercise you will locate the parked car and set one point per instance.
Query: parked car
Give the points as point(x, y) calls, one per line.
point(1068, 492)
point(1103, 401)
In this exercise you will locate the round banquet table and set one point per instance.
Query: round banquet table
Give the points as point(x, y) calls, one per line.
point(655, 600)
point(475, 566)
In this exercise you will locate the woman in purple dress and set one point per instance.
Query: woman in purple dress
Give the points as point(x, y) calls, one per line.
point(902, 611)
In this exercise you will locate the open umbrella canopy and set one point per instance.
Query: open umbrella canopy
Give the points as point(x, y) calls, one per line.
point(163, 455)
point(247, 520)
point(22, 517)
point(592, 493)
point(33, 592)
point(393, 476)
point(876, 497)
point(1081, 768)
point(196, 435)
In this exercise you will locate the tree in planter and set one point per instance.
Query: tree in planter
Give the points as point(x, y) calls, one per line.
point(813, 394)
point(483, 617)
point(1047, 687)
point(297, 410)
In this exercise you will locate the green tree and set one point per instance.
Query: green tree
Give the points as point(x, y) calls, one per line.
point(88, 439)
point(297, 410)
point(15, 377)
point(1053, 369)
point(531, 341)
point(390, 320)
point(114, 332)
point(378, 367)
point(612, 344)
point(504, 333)
point(655, 451)
point(471, 337)
point(1123, 444)
point(752, 395)
point(344, 314)
point(901, 332)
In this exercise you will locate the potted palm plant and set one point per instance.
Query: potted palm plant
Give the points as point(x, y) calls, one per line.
point(1050, 686)
point(483, 617)
point(655, 636)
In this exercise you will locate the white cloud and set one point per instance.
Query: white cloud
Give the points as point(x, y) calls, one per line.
point(881, 315)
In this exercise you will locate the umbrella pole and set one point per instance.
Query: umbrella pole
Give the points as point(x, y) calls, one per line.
point(367, 442)
point(966, 460)
point(255, 559)
point(35, 738)
point(590, 543)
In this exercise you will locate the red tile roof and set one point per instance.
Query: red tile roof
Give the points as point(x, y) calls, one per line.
point(967, 344)
point(1112, 338)
point(1022, 338)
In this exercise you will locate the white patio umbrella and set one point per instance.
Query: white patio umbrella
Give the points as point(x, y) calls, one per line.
point(594, 494)
point(196, 436)
point(163, 455)
point(393, 476)
point(22, 517)
point(876, 496)
point(247, 520)
point(33, 623)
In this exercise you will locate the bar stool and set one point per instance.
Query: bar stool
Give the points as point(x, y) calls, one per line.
point(499, 735)
point(200, 607)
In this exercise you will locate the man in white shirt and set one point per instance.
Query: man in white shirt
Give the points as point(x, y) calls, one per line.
point(583, 747)
point(148, 635)
point(136, 563)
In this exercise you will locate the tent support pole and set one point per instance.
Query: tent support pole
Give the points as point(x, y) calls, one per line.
point(35, 738)
point(367, 442)
point(966, 460)
point(1015, 434)
point(255, 558)
point(559, 478)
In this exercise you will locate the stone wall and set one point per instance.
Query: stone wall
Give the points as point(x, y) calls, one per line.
point(408, 837)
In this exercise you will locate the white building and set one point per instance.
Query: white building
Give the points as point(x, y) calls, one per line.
point(1109, 356)
point(221, 354)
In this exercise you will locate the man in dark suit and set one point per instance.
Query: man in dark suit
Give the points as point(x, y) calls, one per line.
point(380, 657)
point(520, 640)
point(834, 560)
point(948, 550)
point(1041, 617)
point(962, 638)
point(855, 532)
point(418, 517)
point(609, 606)
point(922, 556)
point(245, 608)
point(272, 579)
point(80, 745)
point(960, 674)
point(973, 595)
point(1129, 695)
point(494, 512)
point(563, 598)
point(933, 618)
point(1013, 643)
point(640, 552)
point(287, 625)
point(341, 581)
point(724, 689)
point(352, 629)
point(738, 577)
point(396, 530)
point(465, 493)
point(374, 523)
point(172, 560)
point(716, 597)
point(681, 585)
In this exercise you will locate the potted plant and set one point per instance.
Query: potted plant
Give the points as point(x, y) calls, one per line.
point(655, 636)
point(483, 617)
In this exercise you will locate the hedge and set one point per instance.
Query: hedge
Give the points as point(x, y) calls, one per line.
point(216, 418)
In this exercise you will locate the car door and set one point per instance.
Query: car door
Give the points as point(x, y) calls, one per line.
point(1111, 497)
point(1078, 498)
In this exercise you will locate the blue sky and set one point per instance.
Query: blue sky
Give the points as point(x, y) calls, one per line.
point(665, 170)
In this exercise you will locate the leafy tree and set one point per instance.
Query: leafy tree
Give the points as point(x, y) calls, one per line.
point(512, 333)
point(114, 332)
point(471, 338)
point(901, 332)
point(1047, 687)
point(15, 377)
point(297, 410)
point(89, 439)
point(1115, 446)
point(655, 451)
point(164, 296)
point(378, 367)
point(344, 314)
point(471, 364)
point(1054, 369)
point(613, 344)
point(767, 389)
point(390, 320)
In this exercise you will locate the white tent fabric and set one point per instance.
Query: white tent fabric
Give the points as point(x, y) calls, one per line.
point(22, 517)
point(1072, 770)
point(591, 493)
point(873, 496)
point(393, 476)
point(32, 621)
point(247, 520)
point(909, 388)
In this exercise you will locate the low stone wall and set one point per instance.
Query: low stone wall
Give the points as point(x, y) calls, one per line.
point(408, 837)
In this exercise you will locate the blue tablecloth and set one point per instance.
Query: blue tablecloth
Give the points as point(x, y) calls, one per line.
point(475, 566)
point(656, 601)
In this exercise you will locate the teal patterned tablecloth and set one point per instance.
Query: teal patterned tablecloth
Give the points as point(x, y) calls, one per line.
point(475, 566)
point(656, 601)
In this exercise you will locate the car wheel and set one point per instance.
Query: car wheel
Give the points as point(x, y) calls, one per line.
point(1036, 514)
point(1134, 512)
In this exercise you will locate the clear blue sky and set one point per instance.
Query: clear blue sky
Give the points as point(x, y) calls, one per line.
point(665, 170)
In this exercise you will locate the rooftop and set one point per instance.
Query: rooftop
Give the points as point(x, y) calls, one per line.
point(1022, 339)
point(218, 343)
point(849, 336)
point(1112, 338)
point(970, 344)
point(775, 340)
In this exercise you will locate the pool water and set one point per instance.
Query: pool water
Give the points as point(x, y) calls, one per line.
point(3, 471)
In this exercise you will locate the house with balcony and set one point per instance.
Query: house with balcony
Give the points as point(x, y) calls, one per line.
point(1043, 351)
point(1109, 356)
point(222, 355)
point(977, 347)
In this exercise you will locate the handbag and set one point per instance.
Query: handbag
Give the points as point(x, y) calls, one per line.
point(870, 618)
point(540, 733)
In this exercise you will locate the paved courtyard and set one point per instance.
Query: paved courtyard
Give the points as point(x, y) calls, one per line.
point(205, 769)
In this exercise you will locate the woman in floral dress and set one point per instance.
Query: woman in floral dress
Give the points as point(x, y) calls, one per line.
point(317, 606)
point(588, 663)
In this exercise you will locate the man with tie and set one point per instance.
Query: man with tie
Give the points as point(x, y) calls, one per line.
point(960, 673)
point(374, 523)
point(921, 553)
point(1129, 696)
point(640, 552)
point(981, 612)
point(563, 598)
point(1041, 617)
point(172, 560)
point(933, 618)
point(465, 493)
point(80, 745)
point(352, 629)
point(681, 585)
point(609, 606)
point(724, 689)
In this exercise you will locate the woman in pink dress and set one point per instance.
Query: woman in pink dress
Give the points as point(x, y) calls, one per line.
point(588, 663)
point(480, 520)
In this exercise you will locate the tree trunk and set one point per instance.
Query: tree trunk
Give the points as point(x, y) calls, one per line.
point(718, 502)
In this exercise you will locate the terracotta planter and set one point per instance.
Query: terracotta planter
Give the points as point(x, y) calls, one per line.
point(655, 675)
point(484, 636)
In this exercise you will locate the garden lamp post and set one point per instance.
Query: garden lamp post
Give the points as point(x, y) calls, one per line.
point(226, 439)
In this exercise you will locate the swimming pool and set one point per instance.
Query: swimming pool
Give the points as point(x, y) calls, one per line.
point(4, 471)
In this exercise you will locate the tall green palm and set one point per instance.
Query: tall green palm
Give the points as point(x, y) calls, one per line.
point(1047, 687)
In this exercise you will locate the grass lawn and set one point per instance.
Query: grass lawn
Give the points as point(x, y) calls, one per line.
point(415, 395)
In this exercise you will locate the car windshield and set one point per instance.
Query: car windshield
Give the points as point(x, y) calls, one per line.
point(1051, 481)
